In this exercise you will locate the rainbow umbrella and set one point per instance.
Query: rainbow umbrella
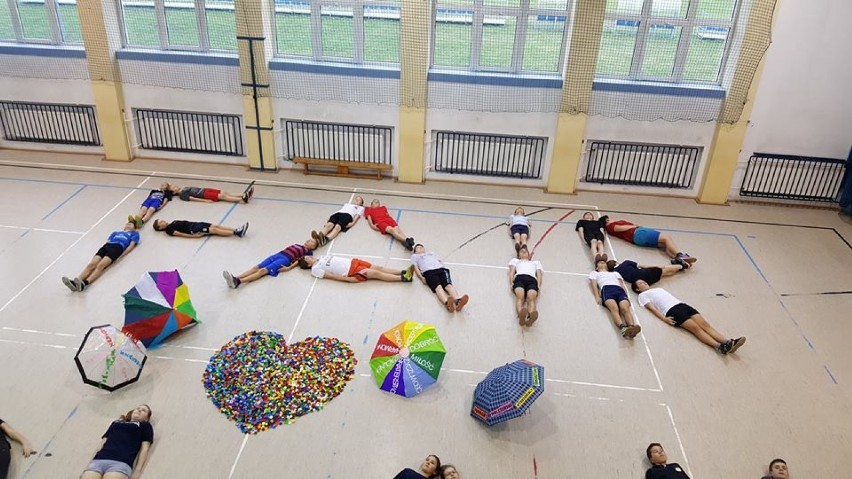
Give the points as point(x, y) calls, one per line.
point(507, 392)
point(157, 307)
point(407, 358)
point(108, 359)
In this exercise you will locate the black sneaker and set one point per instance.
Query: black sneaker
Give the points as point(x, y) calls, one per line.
point(241, 231)
point(685, 257)
point(725, 347)
point(735, 344)
point(80, 284)
point(230, 279)
point(682, 262)
point(249, 191)
point(409, 244)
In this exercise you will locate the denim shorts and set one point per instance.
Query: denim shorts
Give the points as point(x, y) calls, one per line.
point(103, 466)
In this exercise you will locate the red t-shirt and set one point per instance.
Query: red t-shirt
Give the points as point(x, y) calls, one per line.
point(626, 235)
point(380, 216)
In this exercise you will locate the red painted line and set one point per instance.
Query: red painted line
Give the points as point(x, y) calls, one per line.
point(535, 468)
point(547, 232)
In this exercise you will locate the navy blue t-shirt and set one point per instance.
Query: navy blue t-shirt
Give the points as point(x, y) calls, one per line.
point(124, 439)
point(629, 270)
point(3, 435)
point(409, 474)
point(669, 471)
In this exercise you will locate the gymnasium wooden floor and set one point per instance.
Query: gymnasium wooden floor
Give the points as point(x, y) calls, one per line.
point(764, 272)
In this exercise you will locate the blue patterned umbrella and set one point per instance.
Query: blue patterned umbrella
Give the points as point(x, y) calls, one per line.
point(507, 392)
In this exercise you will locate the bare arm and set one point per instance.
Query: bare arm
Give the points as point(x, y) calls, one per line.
point(163, 204)
point(372, 225)
point(184, 235)
point(539, 276)
point(354, 220)
point(284, 269)
point(419, 274)
point(337, 277)
point(127, 250)
point(650, 307)
point(203, 200)
point(511, 275)
point(141, 459)
point(620, 228)
point(26, 447)
point(595, 290)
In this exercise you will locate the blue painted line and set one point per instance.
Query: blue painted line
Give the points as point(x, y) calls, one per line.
point(753, 262)
point(46, 448)
point(833, 379)
point(391, 239)
point(60, 205)
point(228, 213)
point(810, 344)
point(222, 221)
point(751, 237)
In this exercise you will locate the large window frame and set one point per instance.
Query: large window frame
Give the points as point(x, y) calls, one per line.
point(645, 20)
point(522, 14)
point(200, 11)
point(55, 25)
point(316, 31)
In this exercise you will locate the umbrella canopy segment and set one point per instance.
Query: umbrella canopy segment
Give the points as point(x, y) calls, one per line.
point(109, 359)
point(507, 392)
point(407, 358)
point(158, 306)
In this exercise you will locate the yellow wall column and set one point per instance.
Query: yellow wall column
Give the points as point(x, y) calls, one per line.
point(251, 16)
point(101, 44)
point(731, 127)
point(576, 91)
point(415, 19)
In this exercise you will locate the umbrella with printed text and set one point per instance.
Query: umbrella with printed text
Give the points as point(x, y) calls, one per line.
point(109, 359)
point(507, 392)
point(158, 306)
point(407, 358)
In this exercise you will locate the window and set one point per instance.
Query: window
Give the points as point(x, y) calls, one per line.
point(52, 22)
point(200, 25)
point(511, 36)
point(353, 31)
point(666, 40)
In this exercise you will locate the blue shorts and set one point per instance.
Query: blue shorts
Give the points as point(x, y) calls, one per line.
point(615, 293)
point(275, 262)
point(152, 203)
point(103, 466)
point(520, 230)
point(646, 237)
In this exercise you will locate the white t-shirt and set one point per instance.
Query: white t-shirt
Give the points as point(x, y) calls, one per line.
point(525, 266)
point(519, 220)
point(352, 210)
point(605, 278)
point(426, 261)
point(660, 298)
point(331, 264)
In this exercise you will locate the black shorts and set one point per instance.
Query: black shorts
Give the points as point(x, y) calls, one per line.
point(651, 275)
point(199, 227)
point(437, 277)
point(110, 250)
point(681, 312)
point(526, 282)
point(340, 219)
point(520, 230)
point(592, 235)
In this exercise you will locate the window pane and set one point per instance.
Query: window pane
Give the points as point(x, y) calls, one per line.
point(140, 25)
point(34, 20)
point(624, 7)
point(221, 26)
point(704, 58)
point(552, 4)
point(293, 28)
point(716, 9)
point(337, 32)
point(498, 41)
point(452, 42)
point(381, 33)
point(181, 23)
point(669, 8)
point(617, 42)
point(7, 31)
point(660, 50)
point(544, 43)
point(69, 21)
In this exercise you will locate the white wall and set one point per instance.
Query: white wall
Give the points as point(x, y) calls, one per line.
point(803, 104)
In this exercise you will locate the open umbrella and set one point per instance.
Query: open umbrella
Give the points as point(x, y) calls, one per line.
point(109, 359)
point(158, 306)
point(407, 358)
point(507, 392)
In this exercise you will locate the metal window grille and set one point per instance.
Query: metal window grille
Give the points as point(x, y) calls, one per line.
point(210, 133)
point(338, 141)
point(49, 123)
point(488, 155)
point(667, 166)
point(793, 177)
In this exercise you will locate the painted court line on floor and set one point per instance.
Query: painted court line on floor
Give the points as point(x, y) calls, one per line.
point(45, 230)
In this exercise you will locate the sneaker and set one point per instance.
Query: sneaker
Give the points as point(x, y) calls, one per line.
point(315, 236)
point(408, 274)
point(686, 257)
point(245, 198)
point(633, 330)
point(137, 220)
point(517, 247)
point(249, 191)
point(230, 279)
point(69, 283)
point(522, 316)
point(623, 329)
point(451, 304)
point(409, 244)
point(736, 343)
point(533, 318)
point(461, 302)
point(682, 262)
point(725, 347)
point(241, 231)
point(79, 284)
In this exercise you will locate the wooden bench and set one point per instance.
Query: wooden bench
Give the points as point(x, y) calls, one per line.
point(342, 168)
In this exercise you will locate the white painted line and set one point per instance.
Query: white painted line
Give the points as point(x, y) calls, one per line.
point(302, 311)
point(182, 359)
point(54, 346)
point(601, 385)
point(679, 442)
point(237, 459)
point(19, 293)
point(6, 328)
point(44, 230)
point(486, 266)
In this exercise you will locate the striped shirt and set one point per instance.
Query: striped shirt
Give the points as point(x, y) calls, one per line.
point(297, 251)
